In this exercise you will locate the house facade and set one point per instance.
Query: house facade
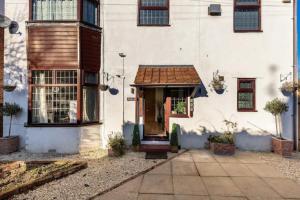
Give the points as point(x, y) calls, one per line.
point(159, 60)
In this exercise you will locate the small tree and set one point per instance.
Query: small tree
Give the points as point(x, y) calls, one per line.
point(10, 110)
point(174, 135)
point(276, 107)
point(136, 141)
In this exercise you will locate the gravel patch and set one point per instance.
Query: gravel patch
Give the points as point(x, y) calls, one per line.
point(102, 173)
point(290, 167)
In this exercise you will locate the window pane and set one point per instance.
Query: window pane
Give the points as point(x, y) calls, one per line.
point(90, 104)
point(91, 78)
point(90, 12)
point(246, 19)
point(66, 77)
point(154, 2)
point(247, 2)
point(245, 100)
point(54, 9)
point(42, 77)
point(178, 101)
point(246, 85)
point(154, 17)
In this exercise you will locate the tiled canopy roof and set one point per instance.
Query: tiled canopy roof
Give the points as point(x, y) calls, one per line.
point(177, 75)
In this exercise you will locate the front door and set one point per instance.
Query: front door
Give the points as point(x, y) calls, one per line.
point(154, 126)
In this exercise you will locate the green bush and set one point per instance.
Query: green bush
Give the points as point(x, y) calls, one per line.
point(226, 138)
point(10, 110)
point(174, 135)
point(136, 140)
point(180, 108)
point(117, 144)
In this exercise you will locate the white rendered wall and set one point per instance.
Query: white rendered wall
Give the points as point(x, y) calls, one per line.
point(208, 43)
point(15, 65)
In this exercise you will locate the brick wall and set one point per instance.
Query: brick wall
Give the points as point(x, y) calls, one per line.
point(1, 76)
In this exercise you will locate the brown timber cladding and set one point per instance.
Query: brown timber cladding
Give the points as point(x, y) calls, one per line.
point(53, 47)
point(1, 76)
point(90, 49)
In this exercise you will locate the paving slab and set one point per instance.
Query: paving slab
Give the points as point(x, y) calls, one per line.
point(184, 168)
point(248, 157)
point(203, 156)
point(185, 157)
point(226, 159)
point(157, 183)
point(210, 169)
point(118, 195)
point(221, 186)
point(237, 169)
point(287, 188)
point(227, 198)
point(255, 187)
point(155, 197)
point(264, 170)
point(191, 197)
point(189, 185)
point(164, 169)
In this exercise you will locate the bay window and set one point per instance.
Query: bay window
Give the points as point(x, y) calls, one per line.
point(54, 9)
point(246, 95)
point(247, 15)
point(153, 12)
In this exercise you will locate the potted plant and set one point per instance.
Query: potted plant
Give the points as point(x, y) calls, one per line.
point(10, 143)
point(180, 108)
point(287, 88)
point(136, 140)
point(116, 145)
point(224, 144)
point(218, 83)
point(103, 87)
point(174, 139)
point(280, 145)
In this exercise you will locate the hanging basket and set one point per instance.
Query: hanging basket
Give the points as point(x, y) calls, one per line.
point(9, 88)
point(287, 88)
point(103, 87)
point(219, 88)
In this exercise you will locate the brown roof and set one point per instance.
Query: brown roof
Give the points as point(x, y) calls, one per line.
point(167, 75)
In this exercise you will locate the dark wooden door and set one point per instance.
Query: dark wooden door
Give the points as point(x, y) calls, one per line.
point(149, 105)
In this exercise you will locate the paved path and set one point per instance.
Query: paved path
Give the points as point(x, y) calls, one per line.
point(199, 175)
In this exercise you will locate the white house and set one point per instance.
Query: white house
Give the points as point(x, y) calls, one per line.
point(158, 59)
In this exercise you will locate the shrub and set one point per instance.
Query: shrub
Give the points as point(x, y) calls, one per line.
point(276, 107)
point(117, 144)
point(228, 136)
point(136, 140)
point(174, 135)
point(180, 108)
point(10, 110)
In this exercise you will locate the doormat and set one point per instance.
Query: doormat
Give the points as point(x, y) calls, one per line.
point(156, 155)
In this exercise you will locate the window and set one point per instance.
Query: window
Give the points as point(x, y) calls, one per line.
point(154, 12)
point(246, 95)
point(90, 97)
point(247, 15)
point(90, 11)
point(54, 97)
point(179, 103)
point(54, 9)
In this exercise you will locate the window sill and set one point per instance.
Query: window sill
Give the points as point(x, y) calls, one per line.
point(248, 31)
point(247, 111)
point(60, 125)
point(154, 25)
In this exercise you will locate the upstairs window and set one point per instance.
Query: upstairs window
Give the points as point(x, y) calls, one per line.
point(246, 95)
point(247, 15)
point(153, 12)
point(90, 11)
point(54, 10)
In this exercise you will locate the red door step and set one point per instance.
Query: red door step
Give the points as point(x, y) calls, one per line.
point(155, 148)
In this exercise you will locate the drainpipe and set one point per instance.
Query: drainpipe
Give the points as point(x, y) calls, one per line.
point(295, 77)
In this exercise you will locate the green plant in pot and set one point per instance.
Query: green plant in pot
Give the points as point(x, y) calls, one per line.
point(117, 145)
point(174, 139)
point(288, 88)
point(180, 108)
point(136, 140)
point(10, 143)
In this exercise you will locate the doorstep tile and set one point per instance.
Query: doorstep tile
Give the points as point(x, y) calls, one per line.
point(191, 197)
point(264, 170)
point(155, 197)
point(189, 185)
point(255, 187)
point(287, 188)
point(184, 168)
point(164, 169)
point(221, 186)
point(237, 169)
point(154, 183)
point(210, 169)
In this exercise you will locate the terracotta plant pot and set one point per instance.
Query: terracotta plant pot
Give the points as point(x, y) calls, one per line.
point(9, 144)
point(222, 149)
point(282, 146)
point(174, 149)
point(136, 148)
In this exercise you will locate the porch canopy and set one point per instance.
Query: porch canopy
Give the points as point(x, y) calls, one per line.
point(167, 76)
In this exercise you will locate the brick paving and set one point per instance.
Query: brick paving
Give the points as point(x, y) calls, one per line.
point(200, 175)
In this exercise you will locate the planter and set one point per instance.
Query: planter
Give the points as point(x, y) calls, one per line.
point(222, 149)
point(136, 148)
point(9, 144)
point(174, 149)
point(103, 87)
point(286, 92)
point(282, 146)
